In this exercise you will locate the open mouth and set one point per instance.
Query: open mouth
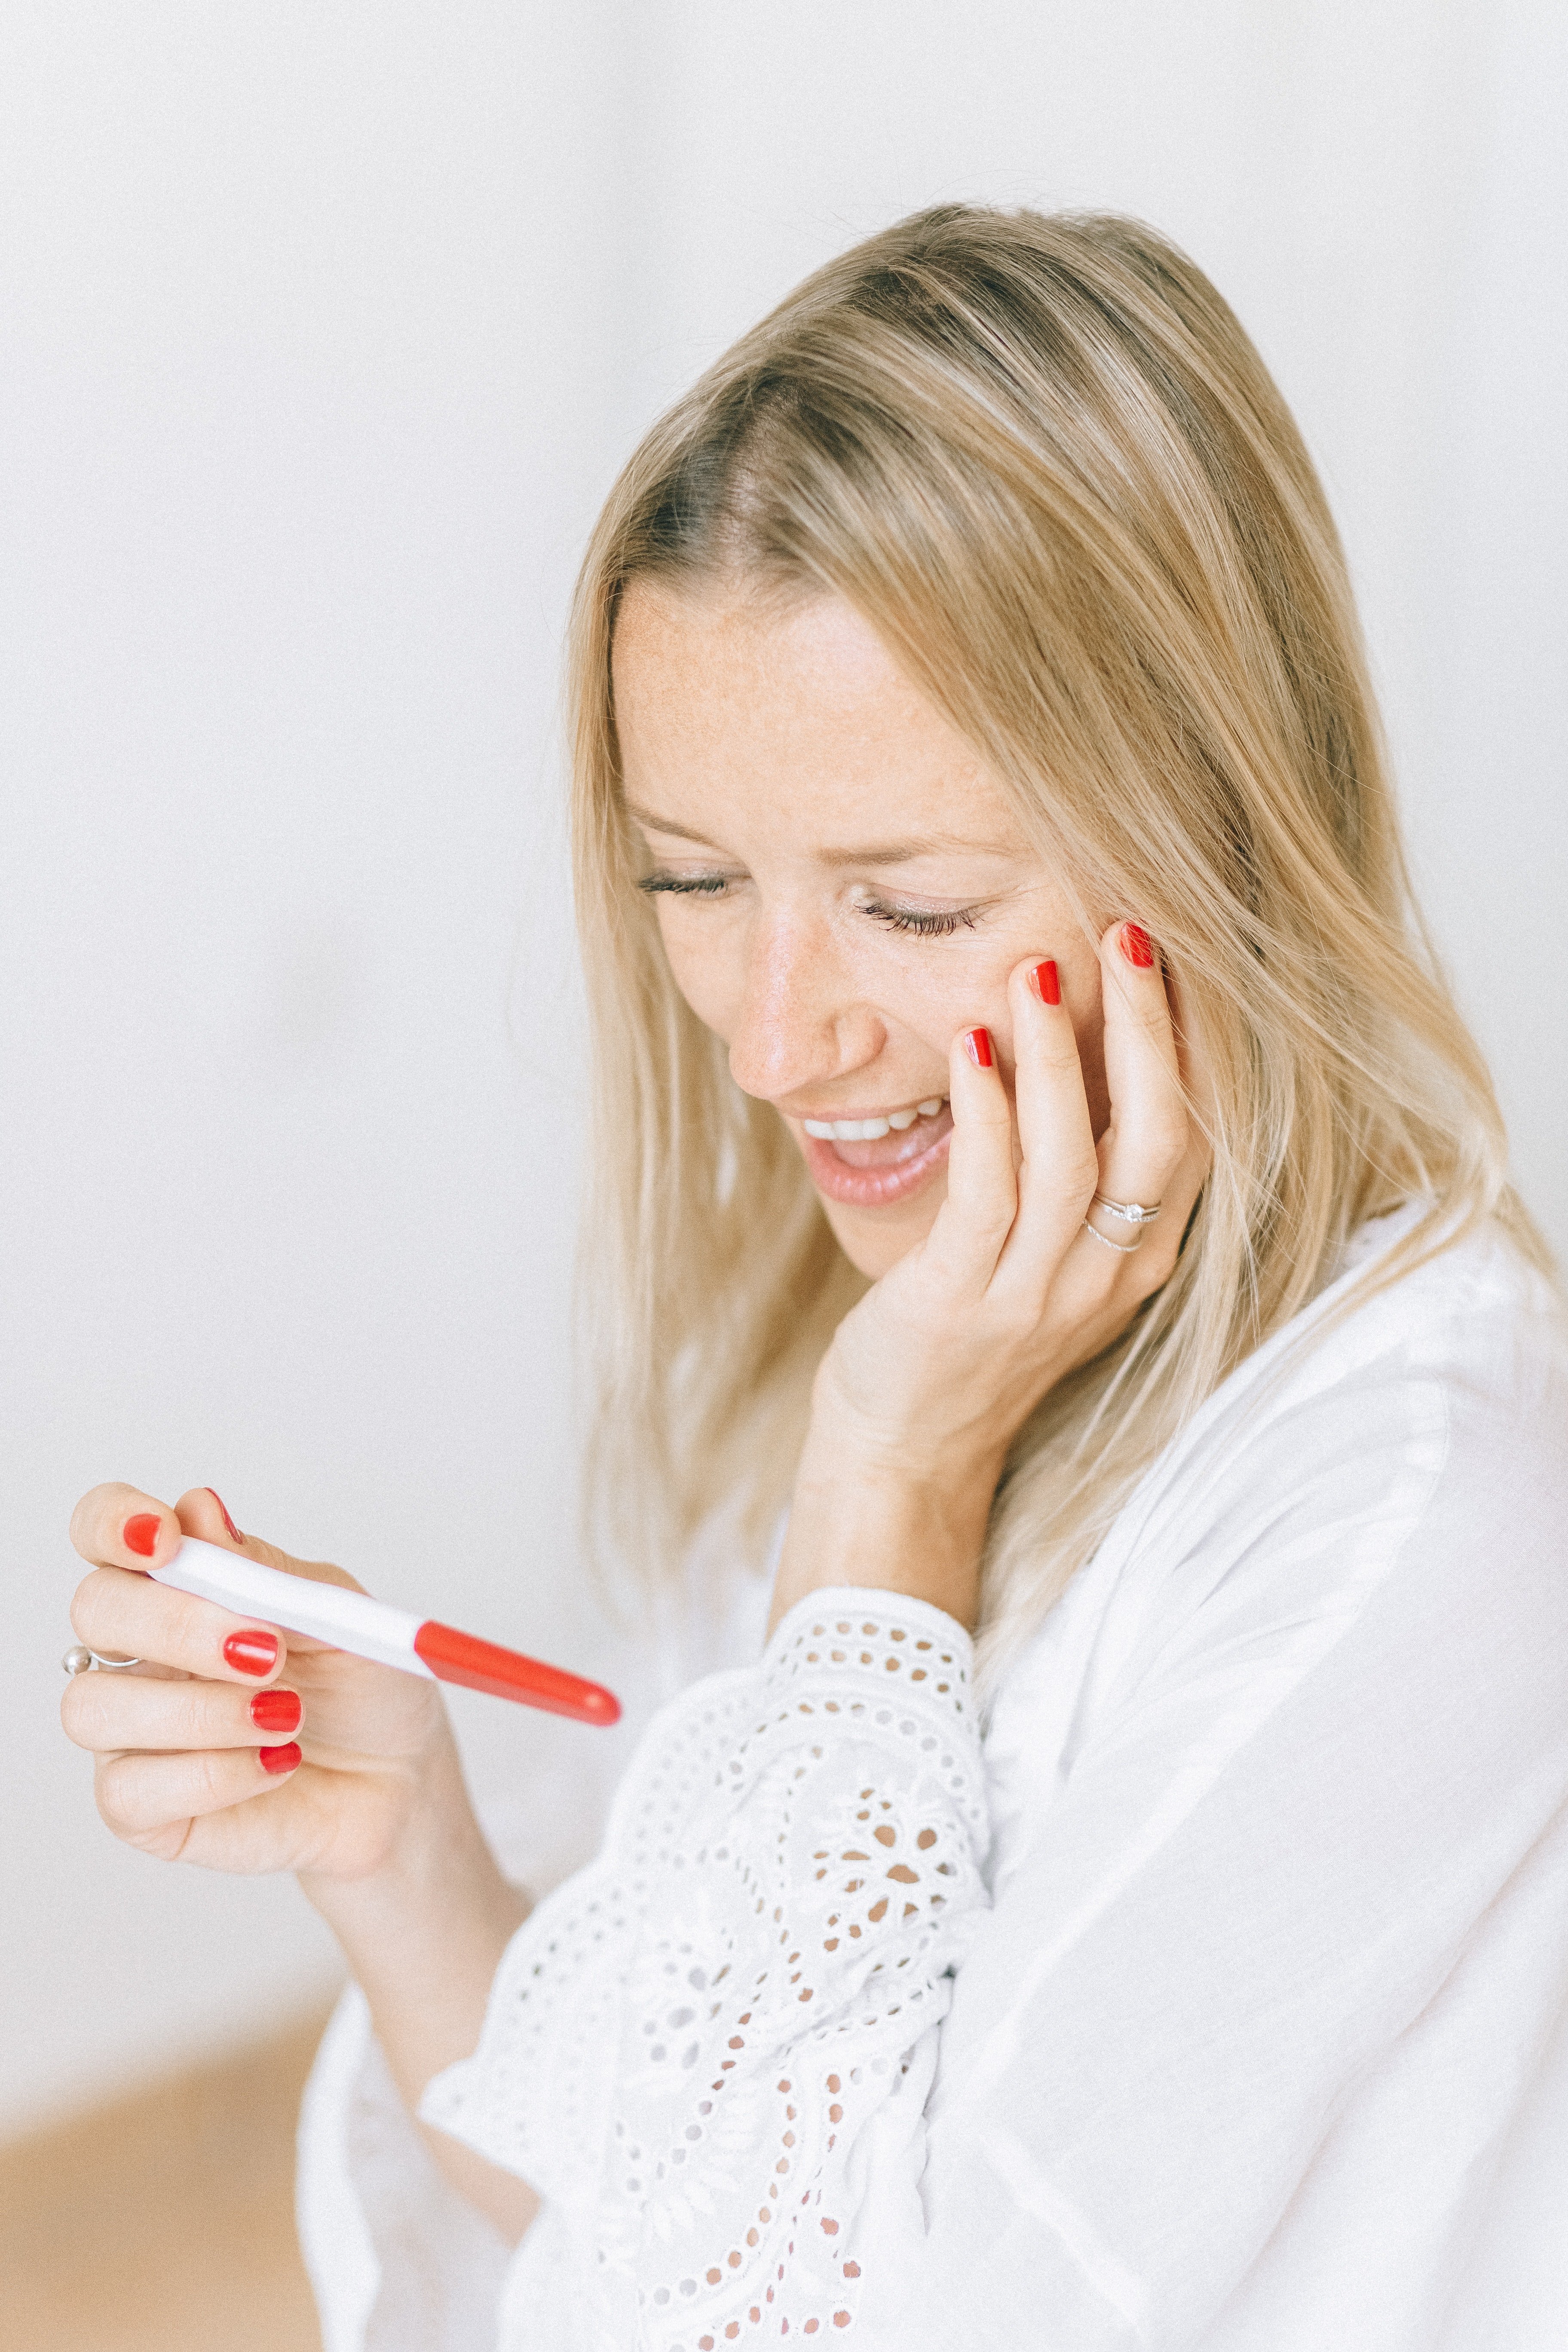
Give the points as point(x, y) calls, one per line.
point(885, 1157)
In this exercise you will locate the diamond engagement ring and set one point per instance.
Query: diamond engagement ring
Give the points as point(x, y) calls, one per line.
point(1132, 1213)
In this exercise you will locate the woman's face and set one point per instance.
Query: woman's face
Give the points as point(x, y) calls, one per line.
point(841, 887)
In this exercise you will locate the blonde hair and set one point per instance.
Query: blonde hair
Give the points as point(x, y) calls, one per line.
point(1040, 455)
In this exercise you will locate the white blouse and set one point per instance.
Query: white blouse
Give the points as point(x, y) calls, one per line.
point(1214, 1994)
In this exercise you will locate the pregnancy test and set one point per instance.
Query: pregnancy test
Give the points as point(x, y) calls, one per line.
point(392, 1637)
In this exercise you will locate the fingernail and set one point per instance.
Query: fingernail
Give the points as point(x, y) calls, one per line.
point(1137, 946)
point(1048, 987)
point(977, 1046)
point(141, 1533)
point(276, 1760)
point(251, 1654)
point(228, 1523)
point(277, 1710)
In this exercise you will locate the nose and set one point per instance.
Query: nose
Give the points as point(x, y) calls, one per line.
point(800, 1021)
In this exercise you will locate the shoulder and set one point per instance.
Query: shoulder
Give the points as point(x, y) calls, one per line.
point(1472, 1309)
point(1405, 1437)
point(1457, 1367)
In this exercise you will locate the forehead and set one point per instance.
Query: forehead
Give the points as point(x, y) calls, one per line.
point(733, 710)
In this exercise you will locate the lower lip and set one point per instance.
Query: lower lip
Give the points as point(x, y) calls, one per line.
point(872, 1188)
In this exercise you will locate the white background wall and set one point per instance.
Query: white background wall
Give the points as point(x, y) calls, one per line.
point(325, 328)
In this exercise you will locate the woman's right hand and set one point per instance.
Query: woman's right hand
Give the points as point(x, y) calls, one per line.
point(234, 1745)
point(201, 1757)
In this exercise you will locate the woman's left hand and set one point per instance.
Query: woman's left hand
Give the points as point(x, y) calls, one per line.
point(930, 1377)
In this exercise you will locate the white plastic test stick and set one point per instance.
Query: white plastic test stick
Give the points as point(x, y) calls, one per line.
point(370, 1629)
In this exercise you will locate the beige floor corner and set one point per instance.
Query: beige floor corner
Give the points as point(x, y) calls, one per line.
point(164, 2222)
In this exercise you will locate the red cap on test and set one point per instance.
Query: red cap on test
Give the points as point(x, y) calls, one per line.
point(463, 1658)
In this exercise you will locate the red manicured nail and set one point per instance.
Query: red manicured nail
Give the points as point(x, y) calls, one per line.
point(141, 1533)
point(223, 1507)
point(277, 1710)
point(1048, 987)
point(1137, 946)
point(977, 1046)
point(279, 1759)
point(251, 1654)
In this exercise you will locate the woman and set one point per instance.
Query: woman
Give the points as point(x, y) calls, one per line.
point(1125, 1902)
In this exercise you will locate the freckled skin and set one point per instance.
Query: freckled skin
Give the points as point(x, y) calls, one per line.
point(786, 743)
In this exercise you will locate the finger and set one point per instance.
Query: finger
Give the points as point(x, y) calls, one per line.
point(971, 1228)
point(201, 1513)
point(151, 1800)
point(1148, 1134)
point(1060, 1169)
point(118, 1525)
point(1146, 1156)
point(133, 1617)
point(105, 1712)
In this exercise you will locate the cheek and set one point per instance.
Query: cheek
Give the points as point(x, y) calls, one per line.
point(707, 962)
point(926, 990)
point(941, 992)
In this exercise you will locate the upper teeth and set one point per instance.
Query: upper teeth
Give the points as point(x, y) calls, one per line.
point(866, 1130)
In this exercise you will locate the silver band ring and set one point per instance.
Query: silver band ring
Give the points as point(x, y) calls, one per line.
point(79, 1660)
point(1132, 1213)
point(1123, 1249)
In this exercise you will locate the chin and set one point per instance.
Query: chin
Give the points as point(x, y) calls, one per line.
point(873, 1240)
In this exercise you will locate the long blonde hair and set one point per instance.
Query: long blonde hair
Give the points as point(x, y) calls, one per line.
point(1038, 454)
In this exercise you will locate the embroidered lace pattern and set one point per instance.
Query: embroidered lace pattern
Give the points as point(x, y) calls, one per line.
point(688, 2042)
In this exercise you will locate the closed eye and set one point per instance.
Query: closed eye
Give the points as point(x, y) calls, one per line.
point(685, 886)
point(924, 922)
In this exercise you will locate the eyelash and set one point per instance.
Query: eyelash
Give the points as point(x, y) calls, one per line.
point(925, 926)
point(935, 925)
point(680, 886)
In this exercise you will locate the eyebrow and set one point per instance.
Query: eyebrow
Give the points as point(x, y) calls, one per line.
point(884, 853)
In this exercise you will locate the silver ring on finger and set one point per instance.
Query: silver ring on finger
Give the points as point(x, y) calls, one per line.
point(79, 1660)
point(1132, 1213)
point(1123, 1249)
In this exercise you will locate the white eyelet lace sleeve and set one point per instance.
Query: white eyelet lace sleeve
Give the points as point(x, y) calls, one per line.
point(709, 2052)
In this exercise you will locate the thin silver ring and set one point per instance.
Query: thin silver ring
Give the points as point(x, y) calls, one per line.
point(79, 1660)
point(1123, 1249)
point(1132, 1213)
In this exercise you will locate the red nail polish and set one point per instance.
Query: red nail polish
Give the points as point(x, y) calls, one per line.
point(141, 1533)
point(977, 1044)
point(277, 1710)
point(1048, 987)
point(251, 1654)
point(234, 1534)
point(1137, 946)
point(279, 1759)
